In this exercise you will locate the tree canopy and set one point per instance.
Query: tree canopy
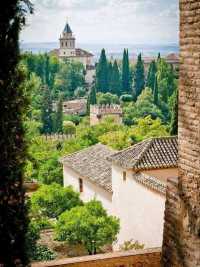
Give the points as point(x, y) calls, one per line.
point(89, 225)
point(52, 200)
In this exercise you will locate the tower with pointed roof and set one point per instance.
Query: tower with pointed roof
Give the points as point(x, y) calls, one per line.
point(67, 43)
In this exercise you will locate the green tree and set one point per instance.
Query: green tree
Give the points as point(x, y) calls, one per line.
point(93, 96)
point(46, 113)
point(13, 104)
point(47, 69)
point(174, 117)
point(69, 127)
point(151, 75)
point(107, 99)
point(88, 225)
point(125, 73)
point(69, 77)
point(110, 73)
point(159, 57)
point(115, 83)
point(147, 128)
point(52, 200)
point(155, 92)
point(139, 76)
point(102, 73)
point(59, 115)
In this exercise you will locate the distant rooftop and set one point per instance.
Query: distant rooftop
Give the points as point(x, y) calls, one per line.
point(92, 163)
point(153, 153)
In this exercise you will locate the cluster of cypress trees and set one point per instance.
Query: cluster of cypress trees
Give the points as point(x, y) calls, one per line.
point(118, 80)
point(51, 122)
point(13, 103)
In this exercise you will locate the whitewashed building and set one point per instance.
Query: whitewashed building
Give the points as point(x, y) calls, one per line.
point(131, 184)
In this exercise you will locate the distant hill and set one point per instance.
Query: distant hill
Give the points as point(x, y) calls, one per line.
point(115, 51)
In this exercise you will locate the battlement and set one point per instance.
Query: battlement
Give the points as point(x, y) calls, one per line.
point(106, 109)
point(99, 112)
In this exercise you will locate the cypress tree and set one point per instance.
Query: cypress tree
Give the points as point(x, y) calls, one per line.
point(151, 75)
point(125, 73)
point(159, 57)
point(115, 84)
point(47, 124)
point(102, 73)
point(110, 73)
point(59, 115)
point(47, 70)
point(93, 97)
point(13, 103)
point(174, 117)
point(139, 76)
point(155, 92)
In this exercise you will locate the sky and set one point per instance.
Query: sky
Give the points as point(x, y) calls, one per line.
point(105, 21)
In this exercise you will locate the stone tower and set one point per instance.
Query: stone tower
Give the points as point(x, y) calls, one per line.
point(67, 43)
point(181, 244)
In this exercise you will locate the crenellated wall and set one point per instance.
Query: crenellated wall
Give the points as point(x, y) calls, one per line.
point(99, 112)
point(181, 246)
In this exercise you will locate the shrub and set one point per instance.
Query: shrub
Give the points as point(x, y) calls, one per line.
point(126, 98)
point(43, 253)
point(69, 127)
point(130, 245)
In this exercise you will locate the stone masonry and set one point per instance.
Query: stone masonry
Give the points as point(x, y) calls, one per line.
point(99, 112)
point(181, 245)
point(140, 258)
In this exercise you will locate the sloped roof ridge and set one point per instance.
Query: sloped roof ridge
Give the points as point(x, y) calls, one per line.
point(85, 149)
point(151, 141)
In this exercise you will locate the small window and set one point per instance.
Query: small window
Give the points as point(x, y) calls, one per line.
point(80, 185)
point(124, 176)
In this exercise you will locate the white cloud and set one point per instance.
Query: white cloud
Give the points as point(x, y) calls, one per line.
point(105, 21)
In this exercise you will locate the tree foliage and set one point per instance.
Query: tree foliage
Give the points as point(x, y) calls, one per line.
point(52, 200)
point(88, 225)
point(126, 88)
point(13, 104)
point(115, 83)
point(102, 84)
point(139, 76)
point(174, 114)
point(107, 99)
point(46, 111)
point(147, 128)
point(59, 116)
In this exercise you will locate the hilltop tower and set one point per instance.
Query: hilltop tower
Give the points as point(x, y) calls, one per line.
point(67, 42)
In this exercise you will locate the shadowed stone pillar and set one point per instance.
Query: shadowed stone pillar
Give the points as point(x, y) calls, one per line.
point(181, 245)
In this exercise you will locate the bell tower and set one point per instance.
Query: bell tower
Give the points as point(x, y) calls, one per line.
point(67, 42)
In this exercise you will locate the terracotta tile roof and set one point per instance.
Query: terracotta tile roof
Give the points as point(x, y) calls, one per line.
point(83, 53)
point(150, 182)
point(153, 153)
point(92, 163)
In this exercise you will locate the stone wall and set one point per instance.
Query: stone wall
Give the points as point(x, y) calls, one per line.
point(181, 246)
point(141, 258)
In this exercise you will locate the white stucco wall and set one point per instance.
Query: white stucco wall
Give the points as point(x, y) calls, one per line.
point(90, 190)
point(141, 211)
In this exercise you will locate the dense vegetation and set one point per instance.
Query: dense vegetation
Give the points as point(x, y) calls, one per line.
point(13, 104)
point(149, 103)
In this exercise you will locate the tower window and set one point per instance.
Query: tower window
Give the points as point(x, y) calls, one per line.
point(66, 43)
point(124, 176)
point(80, 185)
